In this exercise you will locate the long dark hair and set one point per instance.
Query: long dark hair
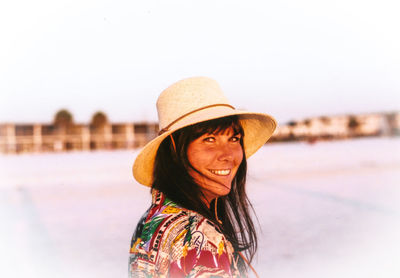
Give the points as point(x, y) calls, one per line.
point(171, 176)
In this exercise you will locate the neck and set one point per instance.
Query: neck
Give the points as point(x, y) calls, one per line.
point(206, 202)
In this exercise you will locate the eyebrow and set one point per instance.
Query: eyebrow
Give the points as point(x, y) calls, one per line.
point(223, 132)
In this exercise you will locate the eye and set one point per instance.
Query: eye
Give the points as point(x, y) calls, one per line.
point(209, 139)
point(235, 138)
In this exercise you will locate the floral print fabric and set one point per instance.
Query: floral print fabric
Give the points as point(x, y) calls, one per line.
point(171, 241)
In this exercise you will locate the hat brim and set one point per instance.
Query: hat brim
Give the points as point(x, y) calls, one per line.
point(258, 128)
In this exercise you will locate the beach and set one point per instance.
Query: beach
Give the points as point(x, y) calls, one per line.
point(328, 209)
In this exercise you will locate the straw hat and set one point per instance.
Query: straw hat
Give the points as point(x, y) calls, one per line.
point(195, 100)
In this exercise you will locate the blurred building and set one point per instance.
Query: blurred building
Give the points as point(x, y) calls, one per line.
point(340, 127)
point(20, 138)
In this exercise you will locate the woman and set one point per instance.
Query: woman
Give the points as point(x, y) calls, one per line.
point(199, 223)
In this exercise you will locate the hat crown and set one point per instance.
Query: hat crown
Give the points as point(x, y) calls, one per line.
point(187, 96)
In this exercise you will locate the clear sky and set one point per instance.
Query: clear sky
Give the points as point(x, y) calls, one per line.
point(291, 59)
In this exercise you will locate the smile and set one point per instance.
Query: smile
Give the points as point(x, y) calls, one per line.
point(220, 172)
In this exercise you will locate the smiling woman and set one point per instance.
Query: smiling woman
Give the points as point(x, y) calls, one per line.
point(215, 159)
point(199, 222)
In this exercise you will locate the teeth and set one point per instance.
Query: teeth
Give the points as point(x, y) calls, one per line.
point(221, 172)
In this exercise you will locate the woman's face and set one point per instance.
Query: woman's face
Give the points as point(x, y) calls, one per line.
point(216, 157)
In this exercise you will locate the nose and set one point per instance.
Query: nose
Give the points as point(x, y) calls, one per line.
point(225, 152)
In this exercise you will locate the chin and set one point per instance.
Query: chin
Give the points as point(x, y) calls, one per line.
point(224, 192)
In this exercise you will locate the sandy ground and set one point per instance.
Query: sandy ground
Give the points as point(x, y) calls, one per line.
point(331, 209)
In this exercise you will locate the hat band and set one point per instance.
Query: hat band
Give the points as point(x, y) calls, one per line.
point(191, 112)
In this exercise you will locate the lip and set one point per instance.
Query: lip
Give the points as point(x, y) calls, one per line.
point(220, 172)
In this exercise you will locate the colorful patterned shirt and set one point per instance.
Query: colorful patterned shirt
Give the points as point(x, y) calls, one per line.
point(171, 241)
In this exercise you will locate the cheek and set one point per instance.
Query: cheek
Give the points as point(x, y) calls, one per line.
point(196, 156)
point(238, 154)
point(190, 153)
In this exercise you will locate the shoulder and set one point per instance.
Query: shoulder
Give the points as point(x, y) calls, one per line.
point(149, 251)
point(174, 231)
point(179, 225)
point(171, 236)
point(199, 248)
point(174, 227)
